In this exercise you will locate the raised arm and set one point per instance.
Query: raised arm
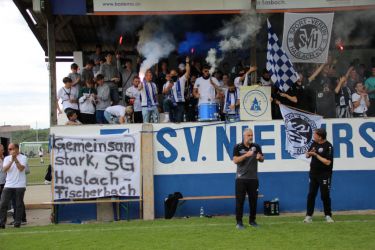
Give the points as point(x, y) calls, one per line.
point(339, 84)
point(316, 73)
point(187, 73)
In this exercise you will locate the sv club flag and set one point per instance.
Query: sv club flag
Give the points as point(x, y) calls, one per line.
point(299, 129)
point(307, 36)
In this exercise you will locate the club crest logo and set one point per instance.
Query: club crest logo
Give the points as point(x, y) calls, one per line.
point(255, 103)
point(307, 38)
point(299, 129)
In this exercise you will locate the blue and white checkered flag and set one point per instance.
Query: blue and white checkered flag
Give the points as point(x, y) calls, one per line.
point(280, 67)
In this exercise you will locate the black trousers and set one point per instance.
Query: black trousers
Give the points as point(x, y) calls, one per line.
point(87, 118)
point(249, 187)
point(1, 188)
point(179, 112)
point(371, 109)
point(138, 118)
point(113, 92)
point(323, 182)
point(6, 197)
point(191, 112)
point(14, 204)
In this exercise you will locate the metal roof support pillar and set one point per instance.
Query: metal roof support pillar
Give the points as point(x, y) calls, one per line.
point(253, 49)
point(51, 41)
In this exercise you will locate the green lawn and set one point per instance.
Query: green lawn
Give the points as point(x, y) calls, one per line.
point(37, 170)
point(348, 232)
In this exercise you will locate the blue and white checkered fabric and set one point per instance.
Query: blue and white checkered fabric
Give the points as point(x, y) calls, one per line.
point(280, 67)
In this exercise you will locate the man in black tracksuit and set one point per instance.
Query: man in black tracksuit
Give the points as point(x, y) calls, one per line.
point(321, 153)
point(246, 155)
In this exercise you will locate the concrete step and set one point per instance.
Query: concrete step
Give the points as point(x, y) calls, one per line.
point(36, 195)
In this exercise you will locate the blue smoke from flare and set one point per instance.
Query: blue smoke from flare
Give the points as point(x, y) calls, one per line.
point(196, 41)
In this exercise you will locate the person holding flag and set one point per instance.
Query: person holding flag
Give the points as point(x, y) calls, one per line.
point(306, 139)
point(283, 74)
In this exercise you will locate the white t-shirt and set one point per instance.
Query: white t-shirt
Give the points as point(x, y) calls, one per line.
point(232, 100)
point(206, 90)
point(362, 105)
point(117, 110)
point(86, 104)
point(133, 92)
point(16, 178)
point(65, 95)
point(152, 90)
point(237, 82)
point(245, 82)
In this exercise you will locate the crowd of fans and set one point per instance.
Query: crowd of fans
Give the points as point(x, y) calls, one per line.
point(109, 90)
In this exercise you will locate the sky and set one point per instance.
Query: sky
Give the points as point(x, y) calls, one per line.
point(24, 85)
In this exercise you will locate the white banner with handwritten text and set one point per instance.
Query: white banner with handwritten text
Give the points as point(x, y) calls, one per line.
point(92, 167)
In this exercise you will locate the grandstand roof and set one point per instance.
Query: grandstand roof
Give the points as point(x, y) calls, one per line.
point(82, 31)
point(73, 33)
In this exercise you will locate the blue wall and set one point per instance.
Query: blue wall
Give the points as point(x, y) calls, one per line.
point(68, 7)
point(77, 213)
point(351, 190)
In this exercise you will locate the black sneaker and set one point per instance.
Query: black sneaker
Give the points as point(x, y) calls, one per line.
point(2, 226)
point(240, 226)
point(253, 224)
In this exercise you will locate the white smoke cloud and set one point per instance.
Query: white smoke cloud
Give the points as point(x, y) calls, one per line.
point(212, 61)
point(238, 32)
point(346, 22)
point(154, 43)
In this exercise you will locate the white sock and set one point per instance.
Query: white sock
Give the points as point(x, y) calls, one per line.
point(166, 117)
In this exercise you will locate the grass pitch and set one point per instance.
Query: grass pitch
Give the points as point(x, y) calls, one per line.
point(37, 170)
point(348, 232)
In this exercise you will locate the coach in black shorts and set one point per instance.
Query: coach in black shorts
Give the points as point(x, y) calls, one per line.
point(321, 153)
point(246, 155)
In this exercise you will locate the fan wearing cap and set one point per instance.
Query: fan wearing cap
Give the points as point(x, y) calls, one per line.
point(246, 156)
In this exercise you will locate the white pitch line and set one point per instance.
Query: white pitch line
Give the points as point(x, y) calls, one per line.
point(126, 227)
